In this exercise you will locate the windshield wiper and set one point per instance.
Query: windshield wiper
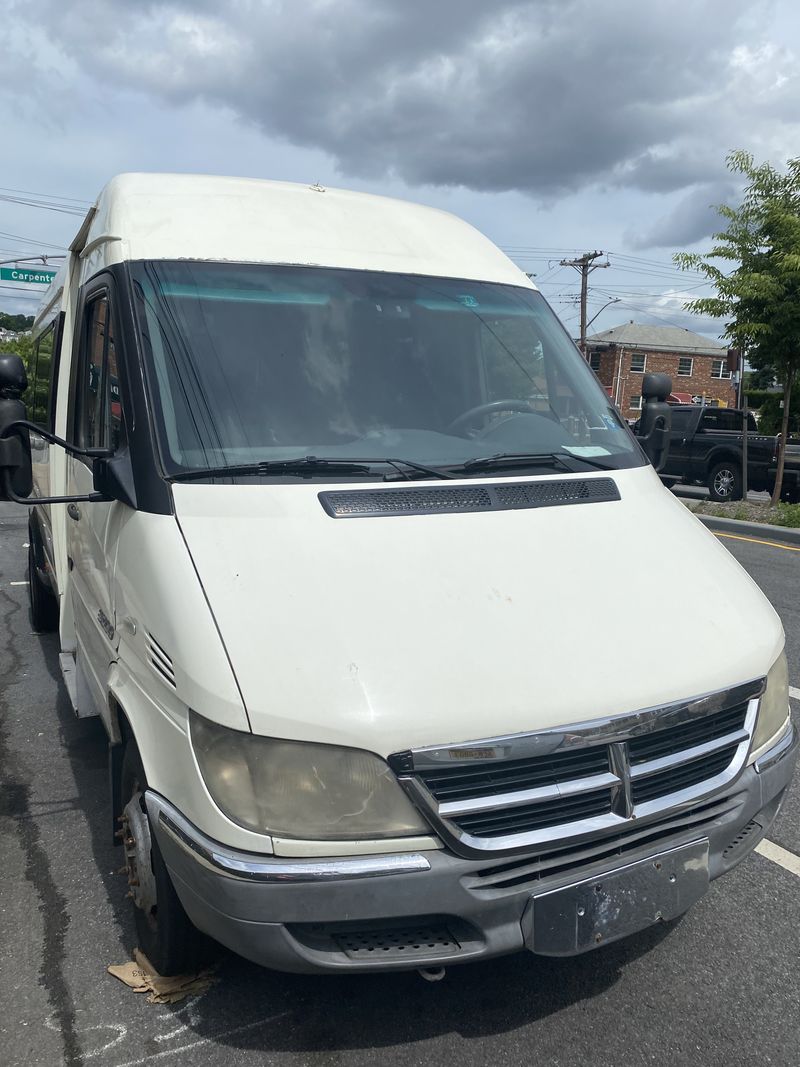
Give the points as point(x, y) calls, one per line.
point(514, 459)
point(529, 459)
point(306, 465)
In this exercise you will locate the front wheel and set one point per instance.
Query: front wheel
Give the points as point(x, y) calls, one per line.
point(165, 934)
point(725, 481)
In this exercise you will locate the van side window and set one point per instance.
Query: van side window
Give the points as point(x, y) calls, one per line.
point(99, 411)
point(38, 396)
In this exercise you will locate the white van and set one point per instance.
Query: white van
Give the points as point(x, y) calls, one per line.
point(375, 592)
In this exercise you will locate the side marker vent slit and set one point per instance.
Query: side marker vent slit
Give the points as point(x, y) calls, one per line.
point(159, 660)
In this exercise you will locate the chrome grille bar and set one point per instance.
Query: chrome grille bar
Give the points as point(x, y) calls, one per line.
point(574, 804)
point(501, 801)
point(644, 770)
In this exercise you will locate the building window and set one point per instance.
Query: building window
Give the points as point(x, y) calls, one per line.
point(685, 367)
point(719, 369)
point(636, 403)
point(594, 361)
point(638, 364)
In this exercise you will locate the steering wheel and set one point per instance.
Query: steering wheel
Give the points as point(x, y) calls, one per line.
point(487, 409)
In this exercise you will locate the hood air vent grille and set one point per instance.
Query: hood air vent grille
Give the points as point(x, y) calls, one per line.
point(159, 660)
point(439, 500)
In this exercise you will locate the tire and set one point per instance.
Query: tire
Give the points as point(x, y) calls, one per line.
point(164, 932)
point(790, 494)
point(725, 481)
point(44, 605)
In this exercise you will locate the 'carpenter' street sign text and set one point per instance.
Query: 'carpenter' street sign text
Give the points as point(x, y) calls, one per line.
point(29, 277)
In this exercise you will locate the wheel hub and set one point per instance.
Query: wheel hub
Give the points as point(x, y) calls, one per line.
point(136, 838)
point(723, 482)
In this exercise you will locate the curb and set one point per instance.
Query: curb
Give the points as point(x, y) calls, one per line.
point(764, 530)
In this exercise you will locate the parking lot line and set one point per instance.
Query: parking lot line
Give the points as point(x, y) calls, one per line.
point(758, 541)
point(205, 1040)
point(794, 693)
point(782, 856)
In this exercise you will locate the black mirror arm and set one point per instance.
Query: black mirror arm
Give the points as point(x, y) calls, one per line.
point(656, 443)
point(89, 453)
point(11, 455)
point(9, 494)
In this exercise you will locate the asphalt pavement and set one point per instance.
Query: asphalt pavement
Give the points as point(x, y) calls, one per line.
point(722, 986)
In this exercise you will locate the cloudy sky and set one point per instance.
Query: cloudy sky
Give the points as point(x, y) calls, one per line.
point(555, 126)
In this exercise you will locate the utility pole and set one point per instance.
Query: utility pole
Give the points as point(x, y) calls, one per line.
point(584, 265)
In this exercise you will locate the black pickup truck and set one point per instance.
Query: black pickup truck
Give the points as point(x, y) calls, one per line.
point(791, 473)
point(706, 449)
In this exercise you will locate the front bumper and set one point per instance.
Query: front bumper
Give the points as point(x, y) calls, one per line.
point(430, 909)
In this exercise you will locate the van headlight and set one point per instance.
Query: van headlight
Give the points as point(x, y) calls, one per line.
point(773, 707)
point(300, 789)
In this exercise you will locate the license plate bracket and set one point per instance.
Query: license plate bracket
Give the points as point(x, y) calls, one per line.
point(595, 911)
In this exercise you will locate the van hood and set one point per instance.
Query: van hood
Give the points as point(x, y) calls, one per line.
point(400, 631)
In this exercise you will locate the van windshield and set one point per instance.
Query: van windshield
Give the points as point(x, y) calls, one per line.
point(251, 363)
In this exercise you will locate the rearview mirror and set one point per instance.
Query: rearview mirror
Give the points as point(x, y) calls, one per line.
point(15, 446)
point(112, 476)
point(656, 420)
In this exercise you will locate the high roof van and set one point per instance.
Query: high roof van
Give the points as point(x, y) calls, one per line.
point(375, 591)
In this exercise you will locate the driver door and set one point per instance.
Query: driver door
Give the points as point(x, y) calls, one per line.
point(92, 526)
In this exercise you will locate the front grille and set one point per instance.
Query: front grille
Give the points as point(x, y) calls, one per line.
point(529, 817)
point(683, 776)
point(697, 732)
point(563, 862)
point(502, 776)
point(591, 778)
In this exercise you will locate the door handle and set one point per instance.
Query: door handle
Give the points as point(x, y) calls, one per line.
point(73, 511)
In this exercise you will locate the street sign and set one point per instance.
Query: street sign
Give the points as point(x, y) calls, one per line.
point(26, 275)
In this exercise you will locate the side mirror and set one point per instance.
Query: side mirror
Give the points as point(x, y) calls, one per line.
point(113, 479)
point(15, 447)
point(656, 420)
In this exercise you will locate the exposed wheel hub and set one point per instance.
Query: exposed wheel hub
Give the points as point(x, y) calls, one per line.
point(136, 839)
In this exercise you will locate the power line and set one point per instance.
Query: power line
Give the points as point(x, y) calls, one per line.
point(32, 241)
point(48, 196)
point(28, 202)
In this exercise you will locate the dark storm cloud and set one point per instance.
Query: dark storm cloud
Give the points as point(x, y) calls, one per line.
point(693, 218)
point(541, 96)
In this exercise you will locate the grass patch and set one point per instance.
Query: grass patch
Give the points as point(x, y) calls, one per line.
point(788, 515)
point(747, 511)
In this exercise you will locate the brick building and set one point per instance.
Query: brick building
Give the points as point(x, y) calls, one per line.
point(621, 356)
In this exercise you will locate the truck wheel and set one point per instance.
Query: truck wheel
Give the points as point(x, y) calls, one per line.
point(165, 934)
point(725, 481)
point(44, 606)
point(791, 493)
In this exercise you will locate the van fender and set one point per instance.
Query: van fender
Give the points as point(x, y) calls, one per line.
point(160, 730)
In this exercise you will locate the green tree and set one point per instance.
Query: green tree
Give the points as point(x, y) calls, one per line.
point(760, 296)
point(15, 322)
point(762, 378)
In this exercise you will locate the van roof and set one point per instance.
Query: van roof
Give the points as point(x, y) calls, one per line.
point(249, 220)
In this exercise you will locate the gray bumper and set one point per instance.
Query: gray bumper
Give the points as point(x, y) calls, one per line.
point(429, 909)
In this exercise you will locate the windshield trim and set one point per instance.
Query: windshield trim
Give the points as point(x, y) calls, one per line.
point(620, 460)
